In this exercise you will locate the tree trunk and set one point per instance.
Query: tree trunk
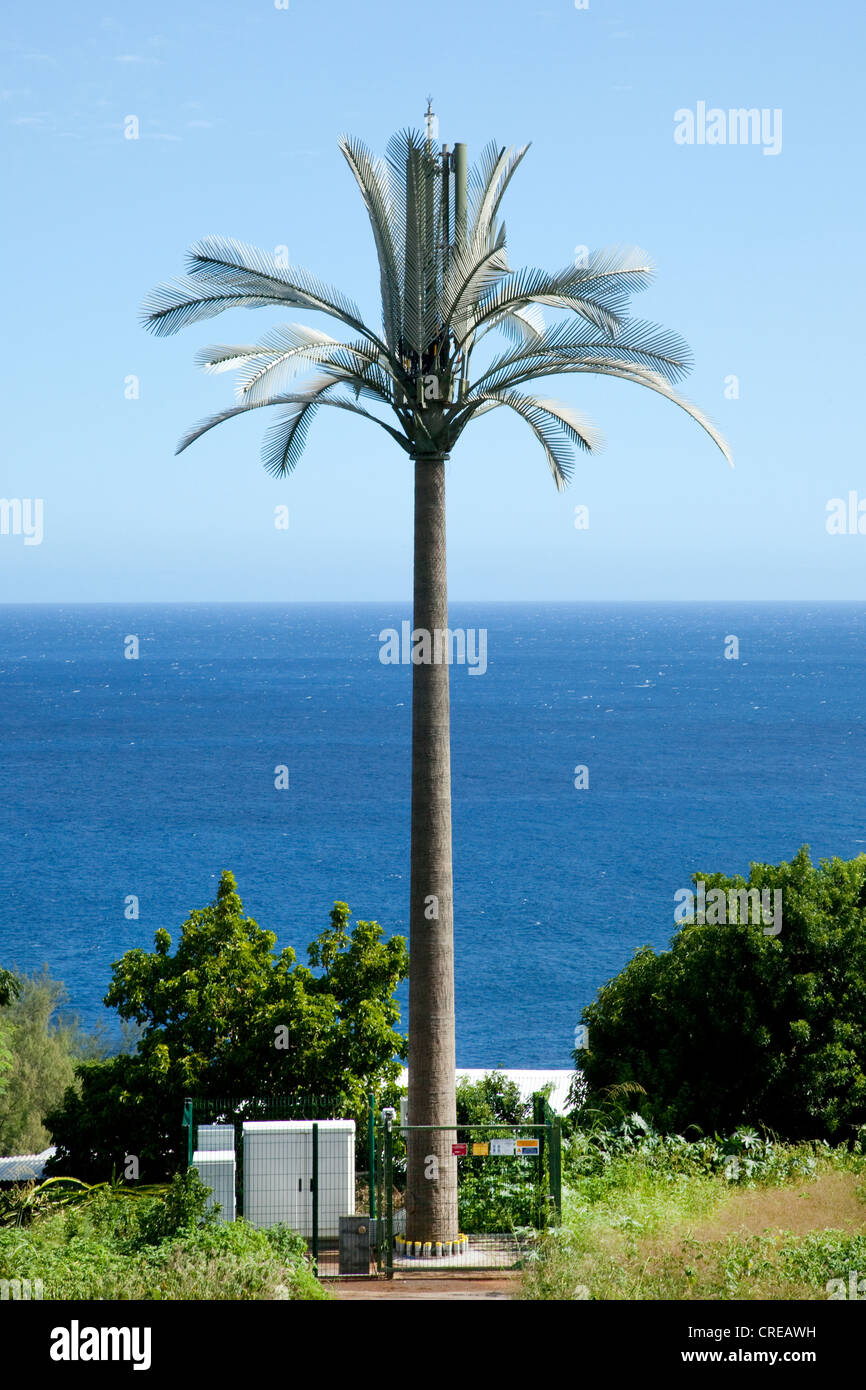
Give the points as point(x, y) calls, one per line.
point(431, 1191)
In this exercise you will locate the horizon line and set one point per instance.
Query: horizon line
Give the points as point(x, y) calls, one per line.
point(379, 602)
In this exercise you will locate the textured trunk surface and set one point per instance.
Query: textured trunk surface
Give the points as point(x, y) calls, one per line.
point(431, 1193)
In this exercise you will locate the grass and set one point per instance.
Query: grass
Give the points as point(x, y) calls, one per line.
point(663, 1219)
point(113, 1244)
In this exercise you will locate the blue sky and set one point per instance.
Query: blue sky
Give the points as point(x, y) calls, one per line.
point(240, 108)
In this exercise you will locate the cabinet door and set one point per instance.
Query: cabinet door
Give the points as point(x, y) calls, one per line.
point(336, 1180)
point(296, 1180)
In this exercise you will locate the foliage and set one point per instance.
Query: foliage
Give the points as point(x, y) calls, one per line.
point(494, 1194)
point(743, 1158)
point(116, 1243)
point(9, 989)
point(181, 1209)
point(213, 1017)
point(492, 1098)
point(735, 1026)
point(498, 1198)
point(444, 287)
point(44, 1045)
point(648, 1218)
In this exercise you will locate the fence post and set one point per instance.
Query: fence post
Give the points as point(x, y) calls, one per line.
point(188, 1126)
point(315, 1181)
point(540, 1118)
point(556, 1165)
point(389, 1201)
point(371, 1155)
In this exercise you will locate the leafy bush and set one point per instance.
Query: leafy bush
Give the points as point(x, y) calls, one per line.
point(492, 1201)
point(111, 1243)
point(180, 1210)
point(743, 1158)
point(209, 1015)
point(492, 1098)
point(735, 1026)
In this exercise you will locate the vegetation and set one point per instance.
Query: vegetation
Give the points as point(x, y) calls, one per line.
point(445, 284)
point(495, 1194)
point(651, 1216)
point(735, 1025)
point(225, 1016)
point(117, 1243)
point(43, 1047)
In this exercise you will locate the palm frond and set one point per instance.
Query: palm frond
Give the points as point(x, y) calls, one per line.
point(267, 367)
point(623, 371)
point(270, 373)
point(598, 291)
point(172, 305)
point(488, 180)
point(556, 427)
point(522, 327)
point(284, 441)
point(472, 270)
point(223, 261)
point(298, 398)
point(565, 344)
point(374, 180)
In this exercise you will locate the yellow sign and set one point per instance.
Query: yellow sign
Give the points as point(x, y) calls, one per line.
point(480, 1150)
point(528, 1147)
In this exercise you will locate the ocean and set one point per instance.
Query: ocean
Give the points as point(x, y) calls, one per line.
point(149, 776)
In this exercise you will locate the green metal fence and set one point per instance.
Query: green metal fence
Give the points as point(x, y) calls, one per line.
point(314, 1175)
point(503, 1180)
point(344, 1189)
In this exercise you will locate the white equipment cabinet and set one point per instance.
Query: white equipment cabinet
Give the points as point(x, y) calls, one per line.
point(216, 1168)
point(215, 1137)
point(278, 1174)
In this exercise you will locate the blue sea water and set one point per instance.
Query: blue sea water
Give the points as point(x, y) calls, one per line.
point(150, 776)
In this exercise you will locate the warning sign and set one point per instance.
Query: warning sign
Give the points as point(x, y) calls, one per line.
point(459, 1150)
point(480, 1150)
point(502, 1147)
point(528, 1148)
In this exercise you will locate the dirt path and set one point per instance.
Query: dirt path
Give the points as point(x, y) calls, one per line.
point(444, 1287)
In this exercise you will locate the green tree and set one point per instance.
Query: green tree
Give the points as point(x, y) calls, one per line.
point(9, 988)
point(445, 285)
point(225, 1015)
point(739, 1024)
point(44, 1045)
point(493, 1098)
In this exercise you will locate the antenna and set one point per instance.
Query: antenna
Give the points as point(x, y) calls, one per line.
point(432, 122)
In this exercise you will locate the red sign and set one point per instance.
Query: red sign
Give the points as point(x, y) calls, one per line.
point(459, 1150)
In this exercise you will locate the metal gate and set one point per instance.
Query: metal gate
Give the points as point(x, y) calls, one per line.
point(508, 1189)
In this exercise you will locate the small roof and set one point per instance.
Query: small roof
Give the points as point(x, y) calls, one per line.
point(529, 1081)
point(25, 1167)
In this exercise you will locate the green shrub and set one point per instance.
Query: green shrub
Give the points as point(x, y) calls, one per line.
point(113, 1245)
point(492, 1201)
point(738, 1026)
